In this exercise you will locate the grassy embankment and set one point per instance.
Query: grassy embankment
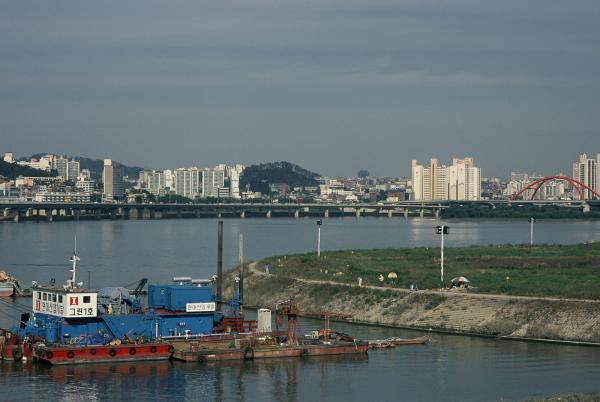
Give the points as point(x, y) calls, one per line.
point(518, 212)
point(548, 270)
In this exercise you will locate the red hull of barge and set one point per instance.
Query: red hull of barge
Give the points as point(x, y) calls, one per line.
point(58, 355)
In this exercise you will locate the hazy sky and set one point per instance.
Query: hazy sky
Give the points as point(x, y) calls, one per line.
point(333, 85)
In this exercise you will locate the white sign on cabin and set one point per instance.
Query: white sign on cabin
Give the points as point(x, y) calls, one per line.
point(200, 307)
point(65, 304)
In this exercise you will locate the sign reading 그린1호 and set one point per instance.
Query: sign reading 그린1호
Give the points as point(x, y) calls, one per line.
point(64, 303)
point(200, 307)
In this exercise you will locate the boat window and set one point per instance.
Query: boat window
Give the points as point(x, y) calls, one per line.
point(39, 295)
point(44, 296)
point(86, 299)
point(60, 298)
point(54, 298)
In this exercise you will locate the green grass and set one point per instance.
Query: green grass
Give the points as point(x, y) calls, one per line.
point(548, 270)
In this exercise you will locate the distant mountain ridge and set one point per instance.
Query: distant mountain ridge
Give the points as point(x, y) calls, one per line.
point(260, 177)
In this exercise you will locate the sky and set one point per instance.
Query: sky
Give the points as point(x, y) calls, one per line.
point(332, 85)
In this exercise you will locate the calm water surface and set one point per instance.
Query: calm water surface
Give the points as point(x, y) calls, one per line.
point(450, 368)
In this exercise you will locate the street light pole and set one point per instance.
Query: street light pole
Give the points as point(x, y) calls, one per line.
point(442, 230)
point(442, 260)
point(319, 223)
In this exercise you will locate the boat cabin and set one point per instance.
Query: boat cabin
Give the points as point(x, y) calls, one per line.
point(66, 303)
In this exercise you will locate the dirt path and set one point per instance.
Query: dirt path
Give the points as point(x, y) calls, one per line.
point(252, 267)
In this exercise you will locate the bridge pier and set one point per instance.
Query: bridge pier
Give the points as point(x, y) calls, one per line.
point(146, 213)
point(17, 217)
point(76, 214)
point(134, 213)
point(158, 214)
point(97, 214)
point(437, 213)
point(219, 215)
point(390, 213)
point(297, 214)
point(48, 215)
point(358, 212)
point(326, 213)
point(268, 214)
point(422, 212)
point(585, 208)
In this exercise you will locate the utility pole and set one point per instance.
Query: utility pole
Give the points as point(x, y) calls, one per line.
point(531, 221)
point(442, 230)
point(319, 223)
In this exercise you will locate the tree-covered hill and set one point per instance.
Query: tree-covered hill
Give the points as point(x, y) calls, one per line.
point(95, 166)
point(11, 171)
point(260, 177)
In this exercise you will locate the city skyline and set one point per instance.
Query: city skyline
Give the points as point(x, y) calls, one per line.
point(259, 81)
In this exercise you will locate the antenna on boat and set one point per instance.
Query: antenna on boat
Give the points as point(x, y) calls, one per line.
point(241, 284)
point(71, 282)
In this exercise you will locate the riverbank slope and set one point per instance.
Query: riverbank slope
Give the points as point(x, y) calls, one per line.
point(550, 317)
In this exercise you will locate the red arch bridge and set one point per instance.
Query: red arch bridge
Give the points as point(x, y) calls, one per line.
point(578, 186)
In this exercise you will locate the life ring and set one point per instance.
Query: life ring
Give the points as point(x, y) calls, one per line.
point(171, 349)
point(132, 351)
point(248, 353)
point(49, 355)
point(112, 352)
point(70, 354)
point(153, 349)
point(92, 351)
point(17, 354)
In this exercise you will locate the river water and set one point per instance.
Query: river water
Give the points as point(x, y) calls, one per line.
point(452, 368)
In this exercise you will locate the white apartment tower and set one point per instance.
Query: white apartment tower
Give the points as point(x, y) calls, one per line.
point(460, 181)
point(464, 180)
point(187, 182)
point(585, 171)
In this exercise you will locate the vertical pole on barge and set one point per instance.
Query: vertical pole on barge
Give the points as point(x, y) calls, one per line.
point(220, 266)
point(241, 291)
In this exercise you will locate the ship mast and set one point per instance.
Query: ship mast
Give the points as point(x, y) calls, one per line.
point(71, 282)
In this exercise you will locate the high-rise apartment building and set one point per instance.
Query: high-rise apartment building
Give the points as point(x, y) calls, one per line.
point(234, 181)
point(212, 180)
point(112, 177)
point(464, 180)
point(187, 182)
point(62, 166)
point(585, 170)
point(156, 182)
point(460, 181)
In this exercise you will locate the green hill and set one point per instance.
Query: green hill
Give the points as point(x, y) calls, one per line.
point(95, 166)
point(260, 177)
point(11, 171)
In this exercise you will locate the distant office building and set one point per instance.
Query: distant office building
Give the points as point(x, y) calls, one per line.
point(63, 197)
point(84, 184)
point(585, 170)
point(112, 178)
point(459, 181)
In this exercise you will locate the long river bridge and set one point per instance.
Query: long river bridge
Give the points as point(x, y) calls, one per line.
point(50, 211)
